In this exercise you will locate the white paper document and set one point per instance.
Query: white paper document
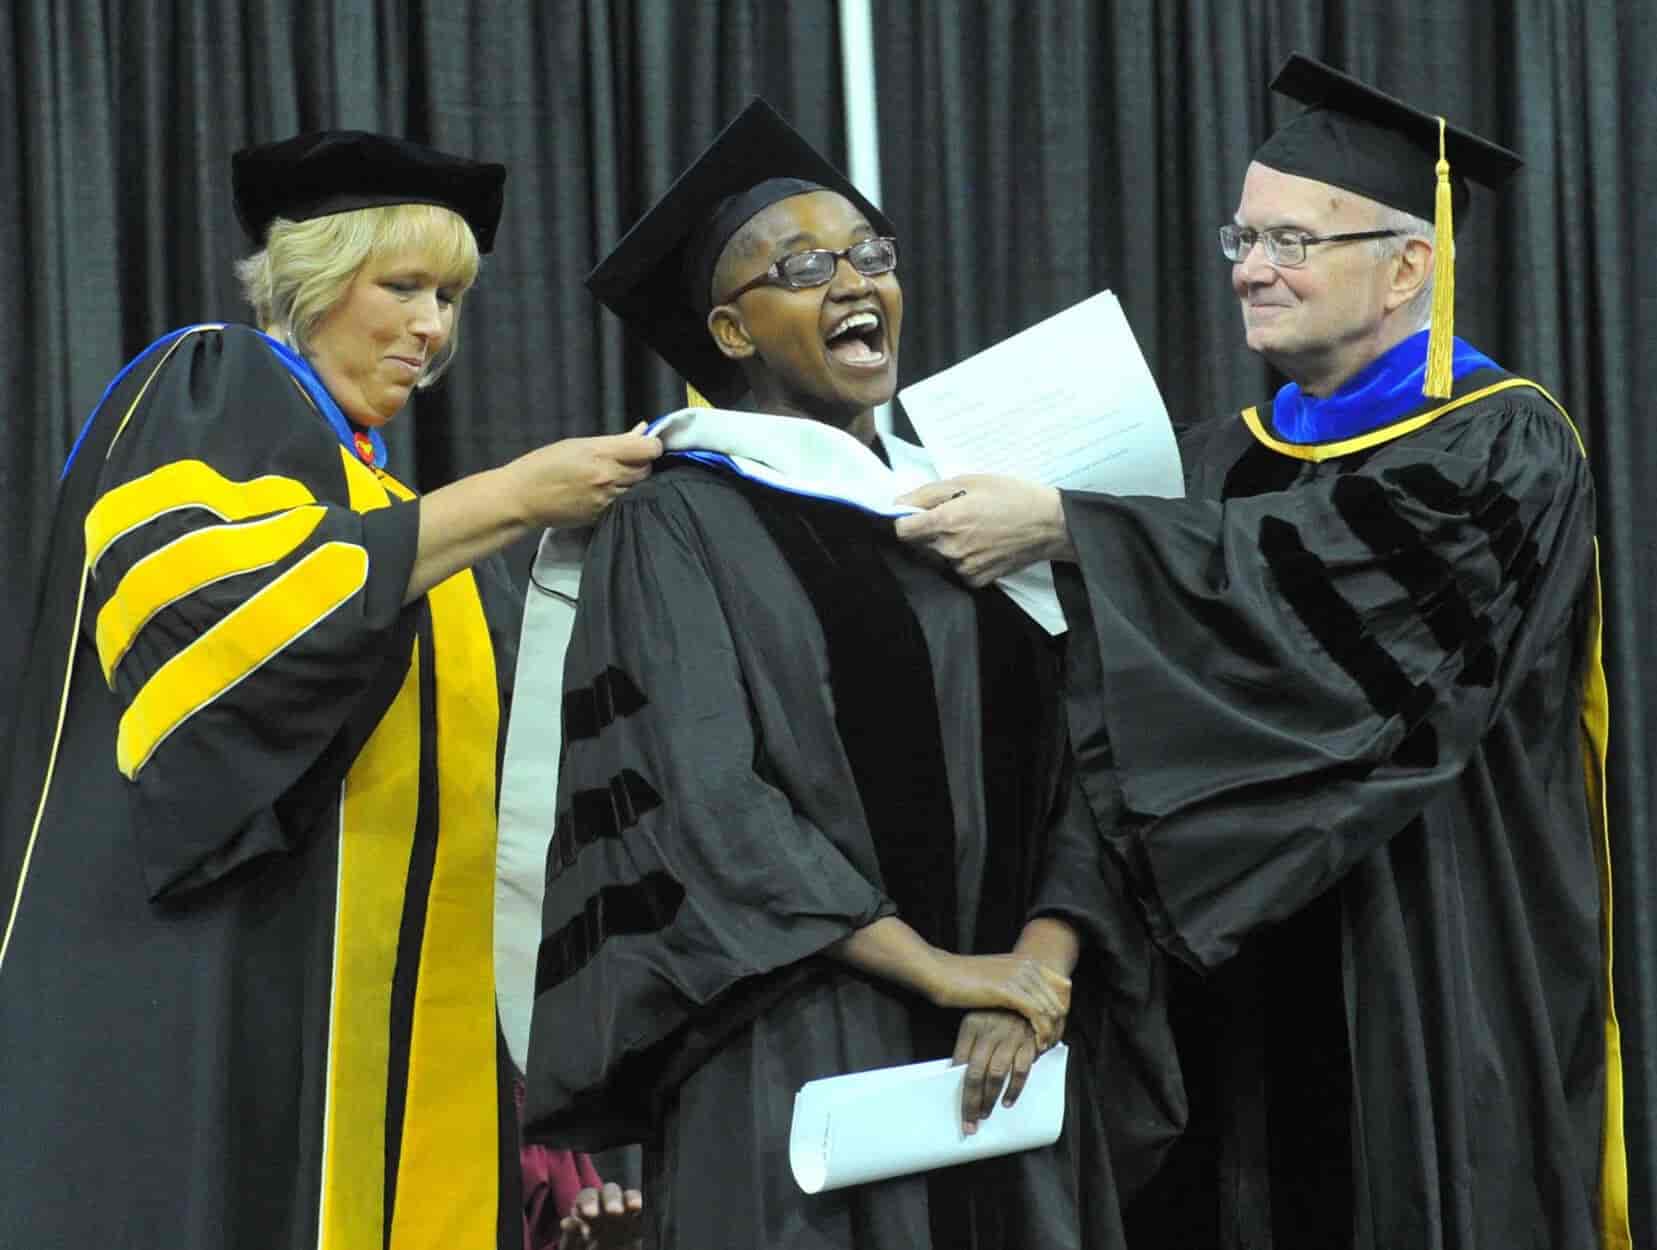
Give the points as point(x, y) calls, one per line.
point(868, 1126)
point(1069, 402)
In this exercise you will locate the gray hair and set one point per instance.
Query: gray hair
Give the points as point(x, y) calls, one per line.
point(1408, 226)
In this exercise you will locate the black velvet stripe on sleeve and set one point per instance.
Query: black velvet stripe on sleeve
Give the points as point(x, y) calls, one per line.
point(644, 906)
point(590, 709)
point(602, 812)
point(1367, 508)
point(1309, 589)
point(1410, 560)
point(1493, 510)
point(1499, 515)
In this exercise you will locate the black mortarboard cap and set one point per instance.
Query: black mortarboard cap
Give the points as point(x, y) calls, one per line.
point(1368, 142)
point(335, 171)
point(657, 278)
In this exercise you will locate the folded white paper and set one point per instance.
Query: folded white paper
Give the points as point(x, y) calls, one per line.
point(869, 1126)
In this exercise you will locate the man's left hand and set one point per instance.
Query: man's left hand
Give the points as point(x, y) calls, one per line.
point(987, 526)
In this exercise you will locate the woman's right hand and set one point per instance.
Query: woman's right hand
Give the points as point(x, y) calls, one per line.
point(563, 484)
point(1010, 982)
point(572, 481)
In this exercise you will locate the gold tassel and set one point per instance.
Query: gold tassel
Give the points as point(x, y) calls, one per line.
point(694, 398)
point(1441, 337)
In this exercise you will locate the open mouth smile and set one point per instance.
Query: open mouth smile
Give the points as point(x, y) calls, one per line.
point(858, 340)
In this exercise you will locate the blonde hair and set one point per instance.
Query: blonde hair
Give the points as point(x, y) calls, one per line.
point(305, 266)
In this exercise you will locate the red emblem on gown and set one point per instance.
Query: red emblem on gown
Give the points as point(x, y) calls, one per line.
point(365, 448)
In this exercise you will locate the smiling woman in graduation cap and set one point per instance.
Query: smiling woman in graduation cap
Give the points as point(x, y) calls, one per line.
point(813, 812)
point(247, 858)
point(1341, 715)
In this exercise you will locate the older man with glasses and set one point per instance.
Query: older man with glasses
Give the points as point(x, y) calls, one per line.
point(1340, 717)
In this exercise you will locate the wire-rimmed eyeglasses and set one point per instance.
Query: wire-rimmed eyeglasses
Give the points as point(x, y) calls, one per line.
point(1285, 246)
point(799, 270)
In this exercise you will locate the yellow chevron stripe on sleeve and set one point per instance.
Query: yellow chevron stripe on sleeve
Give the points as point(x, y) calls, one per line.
point(190, 563)
point(238, 645)
point(185, 484)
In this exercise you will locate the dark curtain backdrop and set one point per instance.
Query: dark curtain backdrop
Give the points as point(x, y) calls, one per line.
point(1032, 153)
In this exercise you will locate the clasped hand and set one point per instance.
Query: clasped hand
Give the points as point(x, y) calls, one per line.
point(1017, 983)
point(1017, 1009)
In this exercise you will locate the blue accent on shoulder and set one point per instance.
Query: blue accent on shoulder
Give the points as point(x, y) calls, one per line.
point(291, 360)
point(714, 459)
point(86, 426)
point(1380, 393)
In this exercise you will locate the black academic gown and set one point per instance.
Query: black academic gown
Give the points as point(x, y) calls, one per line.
point(774, 727)
point(247, 996)
point(1340, 715)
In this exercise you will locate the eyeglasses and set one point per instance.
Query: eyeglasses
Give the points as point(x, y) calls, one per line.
point(1285, 246)
point(800, 270)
